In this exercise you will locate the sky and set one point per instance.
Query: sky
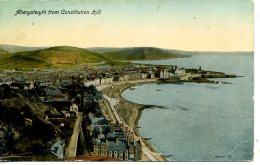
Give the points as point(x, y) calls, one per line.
point(194, 25)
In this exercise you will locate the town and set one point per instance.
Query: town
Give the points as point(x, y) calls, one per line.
point(62, 114)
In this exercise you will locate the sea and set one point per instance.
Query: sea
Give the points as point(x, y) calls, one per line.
point(200, 121)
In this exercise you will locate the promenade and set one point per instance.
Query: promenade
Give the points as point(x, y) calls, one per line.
point(149, 152)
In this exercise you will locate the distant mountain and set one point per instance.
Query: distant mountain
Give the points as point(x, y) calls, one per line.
point(222, 53)
point(172, 51)
point(14, 49)
point(67, 56)
point(194, 53)
point(141, 53)
point(103, 49)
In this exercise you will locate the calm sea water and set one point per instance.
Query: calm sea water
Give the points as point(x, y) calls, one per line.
point(201, 122)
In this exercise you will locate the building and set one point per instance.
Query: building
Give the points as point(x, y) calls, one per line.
point(101, 149)
point(74, 108)
point(20, 83)
point(118, 149)
point(135, 76)
point(179, 72)
point(164, 74)
point(150, 75)
point(117, 143)
point(135, 150)
point(113, 147)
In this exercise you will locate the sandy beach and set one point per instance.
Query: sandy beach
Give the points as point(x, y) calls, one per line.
point(130, 113)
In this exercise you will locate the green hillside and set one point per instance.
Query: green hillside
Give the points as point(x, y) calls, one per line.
point(4, 54)
point(70, 55)
point(141, 53)
point(2, 51)
point(66, 56)
point(51, 57)
point(22, 60)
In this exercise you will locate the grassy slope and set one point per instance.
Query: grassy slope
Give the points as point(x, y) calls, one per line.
point(70, 55)
point(52, 57)
point(22, 60)
point(65, 56)
point(142, 53)
point(4, 54)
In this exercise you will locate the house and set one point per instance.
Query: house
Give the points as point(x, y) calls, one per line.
point(120, 77)
point(61, 104)
point(116, 148)
point(164, 74)
point(52, 92)
point(135, 76)
point(42, 83)
point(179, 72)
point(100, 149)
point(55, 98)
point(66, 83)
point(4, 80)
point(20, 83)
point(135, 151)
point(107, 80)
point(150, 75)
point(74, 110)
point(144, 75)
point(117, 143)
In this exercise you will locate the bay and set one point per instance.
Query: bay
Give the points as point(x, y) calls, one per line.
point(200, 122)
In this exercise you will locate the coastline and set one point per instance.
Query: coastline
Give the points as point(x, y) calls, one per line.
point(131, 113)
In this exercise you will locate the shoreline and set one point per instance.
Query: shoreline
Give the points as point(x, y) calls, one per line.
point(131, 112)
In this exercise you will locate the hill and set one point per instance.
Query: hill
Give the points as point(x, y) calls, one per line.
point(103, 49)
point(140, 53)
point(67, 56)
point(4, 54)
point(70, 55)
point(51, 57)
point(15, 49)
point(194, 53)
point(3, 51)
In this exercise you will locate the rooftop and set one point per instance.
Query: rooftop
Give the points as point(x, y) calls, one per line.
point(119, 145)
